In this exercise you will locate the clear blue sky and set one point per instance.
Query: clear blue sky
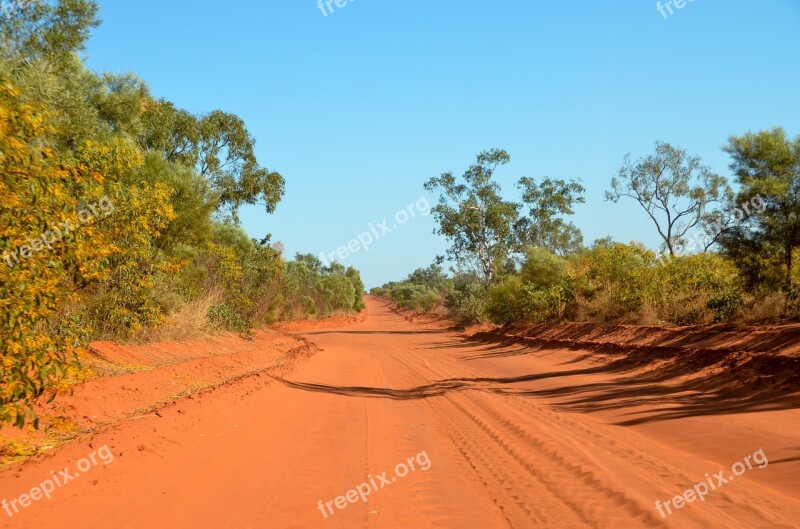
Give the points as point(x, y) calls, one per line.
point(359, 108)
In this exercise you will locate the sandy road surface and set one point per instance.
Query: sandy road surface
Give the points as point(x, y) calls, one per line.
point(488, 451)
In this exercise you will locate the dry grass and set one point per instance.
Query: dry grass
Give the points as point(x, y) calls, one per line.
point(770, 308)
point(687, 309)
point(188, 322)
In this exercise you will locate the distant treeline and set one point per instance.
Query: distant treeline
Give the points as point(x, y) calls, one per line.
point(726, 254)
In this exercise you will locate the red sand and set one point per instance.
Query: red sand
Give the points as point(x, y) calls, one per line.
point(554, 426)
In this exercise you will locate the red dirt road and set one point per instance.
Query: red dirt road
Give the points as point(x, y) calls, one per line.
point(495, 432)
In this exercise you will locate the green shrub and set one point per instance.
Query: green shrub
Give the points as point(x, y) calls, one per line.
point(222, 316)
point(504, 302)
point(513, 301)
point(542, 269)
point(611, 282)
point(308, 305)
point(354, 276)
point(698, 289)
point(339, 293)
point(467, 302)
point(415, 297)
point(423, 291)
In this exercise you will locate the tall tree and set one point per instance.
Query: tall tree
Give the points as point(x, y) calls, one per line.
point(227, 158)
point(544, 226)
point(34, 29)
point(473, 217)
point(220, 148)
point(767, 164)
point(673, 187)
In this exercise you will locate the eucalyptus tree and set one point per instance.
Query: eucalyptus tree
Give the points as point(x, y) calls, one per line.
point(473, 217)
point(675, 189)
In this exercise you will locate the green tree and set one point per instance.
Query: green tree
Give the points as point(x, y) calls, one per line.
point(432, 277)
point(38, 28)
point(220, 148)
point(171, 131)
point(473, 217)
point(544, 226)
point(767, 165)
point(311, 261)
point(675, 189)
point(192, 201)
point(358, 287)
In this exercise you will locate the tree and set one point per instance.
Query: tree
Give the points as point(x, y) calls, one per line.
point(311, 261)
point(227, 158)
point(340, 294)
point(719, 222)
point(220, 148)
point(37, 29)
point(192, 201)
point(358, 287)
point(543, 226)
point(767, 165)
point(432, 277)
point(119, 100)
point(473, 217)
point(170, 131)
point(674, 188)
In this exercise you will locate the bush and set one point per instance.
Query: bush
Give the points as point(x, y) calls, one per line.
point(513, 301)
point(467, 302)
point(504, 303)
point(698, 289)
point(423, 291)
point(542, 269)
point(611, 282)
point(38, 188)
point(308, 305)
point(309, 289)
point(418, 298)
point(339, 292)
point(625, 282)
point(222, 316)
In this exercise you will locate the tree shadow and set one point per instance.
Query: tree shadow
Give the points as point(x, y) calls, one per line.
point(672, 382)
point(432, 331)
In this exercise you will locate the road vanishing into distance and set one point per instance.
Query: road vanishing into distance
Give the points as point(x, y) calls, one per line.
point(400, 424)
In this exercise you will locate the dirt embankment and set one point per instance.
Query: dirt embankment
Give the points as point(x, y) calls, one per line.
point(128, 382)
point(744, 368)
point(764, 358)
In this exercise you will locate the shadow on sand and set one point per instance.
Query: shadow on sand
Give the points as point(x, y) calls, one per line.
point(673, 382)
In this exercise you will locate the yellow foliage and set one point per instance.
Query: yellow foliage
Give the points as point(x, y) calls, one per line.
point(36, 191)
point(99, 223)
